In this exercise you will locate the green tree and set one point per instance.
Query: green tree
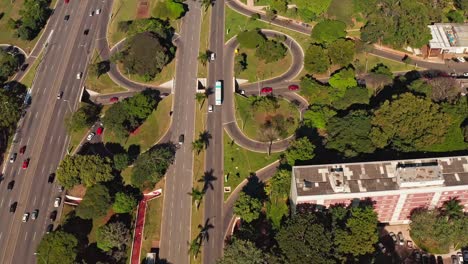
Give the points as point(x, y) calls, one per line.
point(328, 31)
point(146, 54)
point(84, 169)
point(317, 116)
point(99, 68)
point(197, 146)
point(195, 247)
point(455, 16)
point(409, 123)
point(452, 209)
point(116, 120)
point(84, 117)
point(201, 97)
point(316, 59)
point(350, 134)
point(359, 236)
point(203, 57)
point(242, 251)
point(341, 52)
point(197, 196)
point(95, 203)
point(271, 51)
point(240, 63)
point(11, 107)
point(247, 207)
point(316, 92)
point(462, 5)
point(169, 9)
point(250, 39)
point(255, 16)
point(277, 189)
point(310, 10)
point(382, 69)
point(121, 161)
point(299, 149)
point(279, 184)
point(270, 14)
point(151, 166)
point(280, 6)
point(353, 95)
point(304, 240)
point(34, 15)
point(54, 246)
point(112, 235)
point(8, 65)
point(124, 203)
point(343, 79)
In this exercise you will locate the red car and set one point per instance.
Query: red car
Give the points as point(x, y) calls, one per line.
point(25, 164)
point(293, 87)
point(99, 130)
point(67, 1)
point(22, 150)
point(266, 90)
point(114, 99)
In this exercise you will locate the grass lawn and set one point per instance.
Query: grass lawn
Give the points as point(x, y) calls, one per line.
point(10, 9)
point(167, 74)
point(204, 41)
point(28, 78)
point(122, 10)
point(240, 162)
point(127, 175)
point(102, 84)
point(236, 23)
point(150, 131)
point(394, 66)
point(250, 121)
point(341, 10)
point(152, 229)
point(257, 69)
point(198, 172)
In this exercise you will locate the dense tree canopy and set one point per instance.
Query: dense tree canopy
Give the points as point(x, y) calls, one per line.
point(124, 203)
point(57, 247)
point(317, 116)
point(341, 52)
point(169, 9)
point(146, 54)
point(84, 169)
point(409, 123)
point(310, 10)
point(343, 79)
point(112, 235)
point(350, 134)
point(328, 31)
point(9, 64)
point(316, 92)
point(316, 59)
point(10, 108)
point(271, 51)
point(240, 63)
point(353, 95)
point(250, 39)
point(299, 149)
point(151, 166)
point(95, 203)
point(34, 15)
point(242, 251)
point(247, 207)
point(84, 117)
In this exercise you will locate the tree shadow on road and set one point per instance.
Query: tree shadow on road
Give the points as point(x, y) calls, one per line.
point(207, 180)
point(255, 188)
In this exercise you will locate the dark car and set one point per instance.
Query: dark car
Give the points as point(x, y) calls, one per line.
point(22, 150)
point(266, 90)
point(24, 67)
point(86, 32)
point(181, 139)
point(49, 228)
point(393, 236)
point(440, 260)
point(34, 214)
point(51, 178)
point(53, 215)
point(66, 18)
point(417, 256)
point(11, 185)
point(432, 259)
point(13, 207)
point(293, 87)
point(454, 259)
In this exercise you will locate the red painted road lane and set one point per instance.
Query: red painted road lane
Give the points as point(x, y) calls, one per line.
point(140, 223)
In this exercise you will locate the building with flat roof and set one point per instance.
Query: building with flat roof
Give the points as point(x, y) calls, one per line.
point(448, 38)
point(396, 187)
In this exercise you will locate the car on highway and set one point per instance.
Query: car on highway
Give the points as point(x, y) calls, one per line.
point(86, 32)
point(99, 130)
point(393, 236)
point(24, 67)
point(67, 1)
point(210, 108)
point(53, 215)
point(212, 56)
point(22, 150)
point(181, 139)
point(59, 95)
point(266, 90)
point(90, 136)
point(25, 164)
point(13, 207)
point(114, 99)
point(34, 214)
point(293, 87)
point(49, 228)
point(66, 18)
point(79, 75)
point(25, 217)
point(10, 186)
point(91, 13)
point(98, 11)
point(57, 202)
point(51, 178)
point(13, 157)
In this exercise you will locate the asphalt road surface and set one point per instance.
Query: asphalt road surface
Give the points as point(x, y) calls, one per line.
point(42, 130)
point(175, 234)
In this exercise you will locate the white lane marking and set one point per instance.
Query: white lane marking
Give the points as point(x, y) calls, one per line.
point(34, 236)
point(60, 137)
point(35, 115)
point(50, 140)
point(2, 202)
point(35, 198)
point(42, 171)
point(42, 202)
point(1, 235)
point(26, 236)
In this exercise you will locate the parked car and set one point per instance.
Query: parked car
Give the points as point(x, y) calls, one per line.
point(49, 228)
point(79, 75)
point(25, 217)
point(57, 202)
point(460, 257)
point(53, 215)
point(393, 236)
point(465, 256)
point(24, 67)
point(293, 87)
point(266, 90)
point(51, 178)
point(461, 59)
point(34, 214)
point(465, 74)
point(91, 13)
point(432, 259)
point(417, 256)
point(113, 99)
point(382, 248)
point(98, 11)
point(401, 239)
point(425, 258)
point(212, 56)
point(99, 130)
point(90, 136)
point(440, 260)
point(86, 32)
point(409, 244)
point(59, 95)
point(25, 164)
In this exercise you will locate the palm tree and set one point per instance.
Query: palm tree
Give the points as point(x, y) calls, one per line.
point(452, 208)
point(205, 137)
point(194, 247)
point(197, 145)
point(197, 196)
point(203, 57)
point(204, 235)
point(200, 97)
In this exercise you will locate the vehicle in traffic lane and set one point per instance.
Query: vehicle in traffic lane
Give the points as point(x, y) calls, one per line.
point(79, 75)
point(22, 150)
point(212, 56)
point(98, 11)
point(13, 207)
point(66, 18)
point(181, 139)
point(210, 108)
point(13, 157)
point(25, 217)
point(51, 178)
point(25, 164)
point(293, 87)
point(53, 215)
point(49, 228)
point(86, 32)
point(59, 95)
point(34, 214)
point(10, 186)
point(266, 90)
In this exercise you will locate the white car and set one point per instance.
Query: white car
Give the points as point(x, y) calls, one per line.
point(98, 11)
point(91, 13)
point(210, 108)
point(461, 59)
point(78, 75)
point(212, 56)
point(25, 217)
point(57, 202)
point(465, 74)
point(90, 136)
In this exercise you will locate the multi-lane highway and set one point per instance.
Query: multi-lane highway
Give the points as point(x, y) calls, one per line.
point(175, 233)
point(42, 130)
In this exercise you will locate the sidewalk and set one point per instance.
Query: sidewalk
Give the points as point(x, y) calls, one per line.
point(413, 57)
